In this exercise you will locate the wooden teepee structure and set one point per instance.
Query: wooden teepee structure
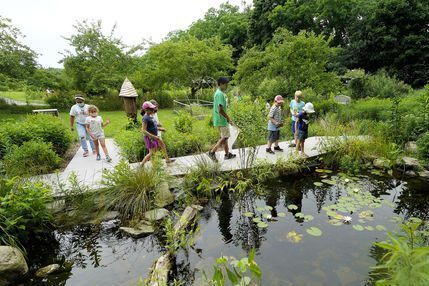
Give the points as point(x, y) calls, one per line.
point(129, 95)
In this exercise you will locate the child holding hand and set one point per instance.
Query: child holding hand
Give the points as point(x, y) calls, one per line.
point(303, 120)
point(94, 125)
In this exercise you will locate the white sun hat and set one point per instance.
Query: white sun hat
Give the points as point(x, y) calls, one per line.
point(309, 108)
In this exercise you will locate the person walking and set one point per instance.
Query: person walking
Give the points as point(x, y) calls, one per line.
point(221, 119)
point(275, 122)
point(296, 106)
point(78, 113)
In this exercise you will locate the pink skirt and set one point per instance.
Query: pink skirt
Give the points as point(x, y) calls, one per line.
point(151, 143)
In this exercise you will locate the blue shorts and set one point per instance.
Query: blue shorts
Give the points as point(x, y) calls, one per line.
point(302, 135)
point(293, 127)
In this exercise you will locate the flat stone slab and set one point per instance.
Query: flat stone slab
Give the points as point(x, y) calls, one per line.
point(137, 232)
point(156, 214)
point(47, 270)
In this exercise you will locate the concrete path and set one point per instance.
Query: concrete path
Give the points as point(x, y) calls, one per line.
point(89, 171)
point(11, 101)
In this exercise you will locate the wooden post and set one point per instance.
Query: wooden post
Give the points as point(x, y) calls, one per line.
point(129, 95)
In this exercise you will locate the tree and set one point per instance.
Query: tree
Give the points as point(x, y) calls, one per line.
point(179, 62)
point(98, 61)
point(227, 23)
point(17, 60)
point(394, 35)
point(289, 62)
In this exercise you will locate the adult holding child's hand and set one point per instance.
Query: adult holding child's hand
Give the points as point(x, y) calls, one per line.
point(78, 113)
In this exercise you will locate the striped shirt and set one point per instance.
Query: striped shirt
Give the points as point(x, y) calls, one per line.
point(276, 114)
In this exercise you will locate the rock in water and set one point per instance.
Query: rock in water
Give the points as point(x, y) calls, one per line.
point(156, 214)
point(381, 163)
point(409, 163)
point(50, 269)
point(163, 196)
point(12, 265)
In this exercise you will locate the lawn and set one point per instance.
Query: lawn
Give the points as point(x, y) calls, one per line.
point(20, 96)
point(117, 118)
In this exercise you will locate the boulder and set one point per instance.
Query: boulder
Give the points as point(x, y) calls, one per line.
point(47, 270)
point(163, 196)
point(144, 228)
point(411, 147)
point(409, 163)
point(342, 99)
point(156, 214)
point(424, 174)
point(381, 163)
point(12, 265)
point(410, 173)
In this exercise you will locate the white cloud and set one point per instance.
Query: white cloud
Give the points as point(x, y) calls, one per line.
point(45, 21)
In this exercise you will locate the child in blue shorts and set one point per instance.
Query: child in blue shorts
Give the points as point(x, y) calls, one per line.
point(303, 120)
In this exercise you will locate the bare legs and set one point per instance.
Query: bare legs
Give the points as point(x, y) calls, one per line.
point(222, 142)
point(152, 151)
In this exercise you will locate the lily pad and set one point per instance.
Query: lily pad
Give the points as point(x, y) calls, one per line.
point(308, 217)
point(335, 222)
point(260, 209)
point(299, 215)
point(294, 237)
point(368, 227)
point(266, 215)
point(329, 182)
point(361, 220)
point(380, 227)
point(268, 208)
point(324, 176)
point(358, 227)
point(257, 219)
point(281, 214)
point(292, 207)
point(262, 224)
point(323, 171)
point(318, 184)
point(314, 231)
point(248, 214)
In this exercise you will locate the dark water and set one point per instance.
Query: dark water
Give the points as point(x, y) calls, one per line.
point(340, 256)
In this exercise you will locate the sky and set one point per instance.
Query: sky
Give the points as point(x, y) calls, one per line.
point(46, 22)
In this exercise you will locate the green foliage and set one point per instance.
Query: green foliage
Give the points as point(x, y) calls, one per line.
point(109, 101)
point(17, 60)
point(423, 146)
point(406, 262)
point(131, 145)
point(182, 144)
point(131, 191)
point(183, 122)
point(378, 85)
point(98, 61)
point(61, 100)
point(23, 211)
point(33, 157)
point(178, 62)
point(237, 272)
point(393, 35)
point(38, 127)
point(163, 97)
point(288, 63)
point(176, 239)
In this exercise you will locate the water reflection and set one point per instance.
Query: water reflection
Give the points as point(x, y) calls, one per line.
point(224, 213)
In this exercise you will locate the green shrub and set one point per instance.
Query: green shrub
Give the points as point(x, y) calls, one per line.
point(23, 209)
point(41, 126)
point(377, 85)
point(182, 144)
point(163, 97)
point(108, 102)
point(423, 147)
point(61, 101)
point(34, 157)
point(131, 145)
point(183, 122)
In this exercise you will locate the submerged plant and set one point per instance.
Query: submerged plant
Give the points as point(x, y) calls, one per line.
point(406, 261)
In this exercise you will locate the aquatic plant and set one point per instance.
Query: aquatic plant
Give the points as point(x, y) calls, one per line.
point(406, 261)
point(176, 239)
point(238, 272)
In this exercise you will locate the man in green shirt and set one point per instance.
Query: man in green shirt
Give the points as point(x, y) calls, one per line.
point(221, 119)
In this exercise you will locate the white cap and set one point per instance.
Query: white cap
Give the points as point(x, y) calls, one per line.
point(79, 97)
point(309, 108)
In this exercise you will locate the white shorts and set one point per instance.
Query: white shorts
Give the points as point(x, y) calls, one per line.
point(99, 135)
point(224, 131)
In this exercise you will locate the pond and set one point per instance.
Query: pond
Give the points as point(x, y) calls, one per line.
point(307, 244)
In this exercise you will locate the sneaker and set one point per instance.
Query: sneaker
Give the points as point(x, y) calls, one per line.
point(269, 151)
point(277, 148)
point(292, 145)
point(85, 154)
point(212, 156)
point(169, 161)
point(98, 157)
point(230, 156)
point(108, 159)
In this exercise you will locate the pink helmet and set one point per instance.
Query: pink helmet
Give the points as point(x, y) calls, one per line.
point(148, 105)
point(278, 99)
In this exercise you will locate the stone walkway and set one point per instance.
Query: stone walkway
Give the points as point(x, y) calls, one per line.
point(89, 171)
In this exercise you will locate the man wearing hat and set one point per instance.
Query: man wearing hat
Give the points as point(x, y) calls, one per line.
point(79, 113)
point(221, 119)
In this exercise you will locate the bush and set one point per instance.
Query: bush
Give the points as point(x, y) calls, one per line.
point(108, 102)
point(23, 210)
point(423, 147)
point(41, 126)
point(61, 101)
point(377, 85)
point(131, 145)
point(163, 97)
point(34, 157)
point(183, 122)
point(182, 144)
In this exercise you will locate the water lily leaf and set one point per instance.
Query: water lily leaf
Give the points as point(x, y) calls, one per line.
point(366, 214)
point(249, 214)
point(335, 222)
point(314, 231)
point(260, 209)
point(308, 217)
point(299, 215)
point(266, 215)
point(294, 237)
point(323, 171)
point(318, 184)
point(268, 208)
point(358, 227)
point(331, 213)
point(324, 176)
point(262, 224)
point(281, 214)
point(396, 219)
point(368, 227)
point(338, 216)
point(292, 207)
point(329, 182)
point(380, 227)
point(256, 219)
point(361, 220)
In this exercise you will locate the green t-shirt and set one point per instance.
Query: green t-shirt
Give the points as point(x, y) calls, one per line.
point(219, 99)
